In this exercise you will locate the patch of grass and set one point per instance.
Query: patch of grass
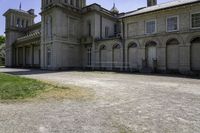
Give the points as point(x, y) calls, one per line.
point(16, 88)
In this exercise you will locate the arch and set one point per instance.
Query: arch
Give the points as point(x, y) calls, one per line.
point(116, 46)
point(150, 43)
point(132, 45)
point(102, 47)
point(172, 41)
point(152, 40)
point(172, 54)
point(129, 42)
point(132, 55)
point(173, 37)
point(195, 40)
point(191, 37)
point(195, 54)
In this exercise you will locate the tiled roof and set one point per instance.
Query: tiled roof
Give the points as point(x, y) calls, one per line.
point(160, 7)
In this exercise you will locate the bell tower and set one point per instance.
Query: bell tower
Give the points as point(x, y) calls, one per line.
point(60, 33)
point(151, 3)
point(17, 22)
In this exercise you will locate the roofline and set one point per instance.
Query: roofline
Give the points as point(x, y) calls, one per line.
point(103, 10)
point(13, 10)
point(158, 9)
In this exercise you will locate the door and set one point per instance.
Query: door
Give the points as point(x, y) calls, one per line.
point(103, 58)
point(173, 55)
point(116, 58)
point(133, 57)
point(195, 55)
point(151, 55)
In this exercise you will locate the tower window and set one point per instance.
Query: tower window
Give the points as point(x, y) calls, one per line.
point(115, 29)
point(89, 28)
point(71, 2)
point(106, 32)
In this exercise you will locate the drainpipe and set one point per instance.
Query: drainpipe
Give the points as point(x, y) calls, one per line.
point(123, 43)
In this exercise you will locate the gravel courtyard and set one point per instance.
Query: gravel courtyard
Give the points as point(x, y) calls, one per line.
point(121, 103)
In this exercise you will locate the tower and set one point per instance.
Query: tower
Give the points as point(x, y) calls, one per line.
point(17, 21)
point(151, 2)
point(60, 33)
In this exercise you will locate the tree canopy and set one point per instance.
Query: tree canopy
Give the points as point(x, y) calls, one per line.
point(2, 39)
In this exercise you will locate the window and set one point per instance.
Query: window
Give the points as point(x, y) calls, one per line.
point(49, 26)
point(89, 56)
point(106, 32)
point(26, 23)
point(71, 2)
point(77, 3)
point(195, 20)
point(48, 56)
point(89, 28)
point(150, 27)
point(172, 24)
point(18, 22)
point(115, 29)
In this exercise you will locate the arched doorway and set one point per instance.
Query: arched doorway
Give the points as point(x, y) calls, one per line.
point(195, 54)
point(116, 56)
point(172, 52)
point(151, 54)
point(102, 56)
point(132, 55)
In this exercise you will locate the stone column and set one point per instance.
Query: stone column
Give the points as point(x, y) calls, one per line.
point(161, 59)
point(32, 55)
point(24, 56)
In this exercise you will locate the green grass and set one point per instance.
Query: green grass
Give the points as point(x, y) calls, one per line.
point(19, 88)
point(15, 87)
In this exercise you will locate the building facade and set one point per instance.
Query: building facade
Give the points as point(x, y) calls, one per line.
point(71, 35)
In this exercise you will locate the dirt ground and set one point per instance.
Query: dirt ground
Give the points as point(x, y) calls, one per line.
point(118, 103)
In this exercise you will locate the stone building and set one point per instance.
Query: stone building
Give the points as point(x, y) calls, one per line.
point(73, 35)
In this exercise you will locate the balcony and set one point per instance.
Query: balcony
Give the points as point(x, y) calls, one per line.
point(86, 40)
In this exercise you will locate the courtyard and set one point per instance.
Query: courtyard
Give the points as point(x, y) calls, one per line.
point(116, 103)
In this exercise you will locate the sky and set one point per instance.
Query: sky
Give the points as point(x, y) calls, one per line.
point(122, 5)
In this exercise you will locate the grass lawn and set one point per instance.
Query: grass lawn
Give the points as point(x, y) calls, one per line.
point(16, 87)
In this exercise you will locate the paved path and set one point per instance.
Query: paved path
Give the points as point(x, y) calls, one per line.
point(123, 103)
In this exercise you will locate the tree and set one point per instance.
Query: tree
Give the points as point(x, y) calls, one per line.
point(2, 39)
point(2, 50)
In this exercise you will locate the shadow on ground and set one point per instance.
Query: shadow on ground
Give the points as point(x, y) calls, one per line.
point(16, 71)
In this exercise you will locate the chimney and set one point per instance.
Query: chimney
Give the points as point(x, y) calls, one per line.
point(151, 3)
point(31, 11)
